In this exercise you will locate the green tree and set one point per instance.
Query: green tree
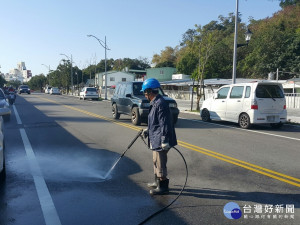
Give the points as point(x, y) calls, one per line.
point(37, 82)
point(63, 75)
point(135, 64)
point(285, 3)
point(167, 58)
point(2, 81)
point(14, 83)
point(275, 44)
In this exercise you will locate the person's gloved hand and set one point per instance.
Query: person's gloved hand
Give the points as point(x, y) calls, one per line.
point(165, 146)
point(145, 133)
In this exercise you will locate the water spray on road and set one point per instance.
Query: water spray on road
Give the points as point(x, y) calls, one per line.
point(121, 156)
point(167, 206)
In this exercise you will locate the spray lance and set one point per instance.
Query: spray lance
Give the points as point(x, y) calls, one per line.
point(121, 156)
point(139, 134)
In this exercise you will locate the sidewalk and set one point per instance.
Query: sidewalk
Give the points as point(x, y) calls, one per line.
point(293, 115)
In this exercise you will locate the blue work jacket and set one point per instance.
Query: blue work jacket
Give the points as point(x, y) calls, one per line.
point(160, 124)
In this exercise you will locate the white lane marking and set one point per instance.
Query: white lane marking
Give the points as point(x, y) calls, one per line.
point(17, 115)
point(47, 205)
point(253, 131)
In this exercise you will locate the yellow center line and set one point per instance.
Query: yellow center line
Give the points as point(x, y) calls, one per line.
point(231, 160)
point(244, 166)
point(237, 160)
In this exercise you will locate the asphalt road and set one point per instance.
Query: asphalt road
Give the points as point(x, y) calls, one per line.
point(59, 149)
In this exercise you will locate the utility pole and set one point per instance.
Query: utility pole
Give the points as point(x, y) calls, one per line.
point(235, 42)
point(106, 48)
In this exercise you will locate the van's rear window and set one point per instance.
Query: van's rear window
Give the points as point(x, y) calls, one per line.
point(269, 91)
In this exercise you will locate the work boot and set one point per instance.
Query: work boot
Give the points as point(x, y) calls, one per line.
point(162, 188)
point(154, 184)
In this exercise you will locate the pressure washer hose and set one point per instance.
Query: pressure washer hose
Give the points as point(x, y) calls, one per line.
point(183, 187)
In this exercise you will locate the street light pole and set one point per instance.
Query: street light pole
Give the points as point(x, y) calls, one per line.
point(48, 67)
point(248, 35)
point(71, 71)
point(106, 48)
point(235, 43)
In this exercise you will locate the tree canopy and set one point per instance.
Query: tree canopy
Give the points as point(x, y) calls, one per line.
point(37, 82)
point(284, 3)
point(61, 76)
point(275, 44)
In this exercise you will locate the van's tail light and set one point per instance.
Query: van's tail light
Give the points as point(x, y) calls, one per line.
point(284, 107)
point(86, 92)
point(254, 107)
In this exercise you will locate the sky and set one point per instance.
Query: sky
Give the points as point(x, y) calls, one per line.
point(38, 31)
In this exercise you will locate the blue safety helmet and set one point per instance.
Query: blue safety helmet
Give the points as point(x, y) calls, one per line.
point(150, 83)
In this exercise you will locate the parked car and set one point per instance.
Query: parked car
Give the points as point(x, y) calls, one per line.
point(247, 104)
point(54, 91)
point(128, 99)
point(24, 89)
point(5, 111)
point(2, 156)
point(89, 92)
point(47, 89)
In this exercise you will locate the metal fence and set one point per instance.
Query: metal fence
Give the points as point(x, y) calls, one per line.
point(182, 95)
point(110, 93)
point(292, 100)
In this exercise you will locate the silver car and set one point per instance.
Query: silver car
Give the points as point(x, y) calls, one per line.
point(54, 91)
point(89, 92)
point(5, 111)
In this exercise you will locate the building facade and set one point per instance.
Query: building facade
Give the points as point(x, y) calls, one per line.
point(161, 74)
point(20, 73)
point(113, 77)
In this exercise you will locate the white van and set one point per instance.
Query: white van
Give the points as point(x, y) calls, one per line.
point(246, 104)
point(47, 89)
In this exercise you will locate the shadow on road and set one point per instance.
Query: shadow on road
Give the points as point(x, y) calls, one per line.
point(258, 197)
point(74, 173)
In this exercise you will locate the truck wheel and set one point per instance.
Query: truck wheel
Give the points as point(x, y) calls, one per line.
point(115, 113)
point(244, 121)
point(135, 116)
point(205, 116)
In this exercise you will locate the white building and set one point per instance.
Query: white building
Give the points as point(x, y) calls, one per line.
point(113, 77)
point(20, 73)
